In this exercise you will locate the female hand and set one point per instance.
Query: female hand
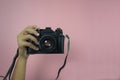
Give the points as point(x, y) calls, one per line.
point(27, 34)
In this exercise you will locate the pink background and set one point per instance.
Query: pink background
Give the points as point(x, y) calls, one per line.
point(94, 28)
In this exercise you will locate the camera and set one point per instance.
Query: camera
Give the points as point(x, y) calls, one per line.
point(50, 42)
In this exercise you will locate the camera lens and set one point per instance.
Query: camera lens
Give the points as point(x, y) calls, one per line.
point(47, 43)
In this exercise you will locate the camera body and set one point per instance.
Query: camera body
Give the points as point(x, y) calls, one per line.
point(50, 42)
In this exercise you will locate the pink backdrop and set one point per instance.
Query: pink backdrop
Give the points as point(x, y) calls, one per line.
point(94, 28)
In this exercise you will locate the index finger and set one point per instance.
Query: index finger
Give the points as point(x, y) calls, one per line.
point(32, 31)
point(31, 27)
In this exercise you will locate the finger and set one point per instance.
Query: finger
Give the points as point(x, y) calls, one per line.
point(31, 27)
point(30, 45)
point(31, 31)
point(27, 37)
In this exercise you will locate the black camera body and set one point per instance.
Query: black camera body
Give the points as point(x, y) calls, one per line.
point(50, 42)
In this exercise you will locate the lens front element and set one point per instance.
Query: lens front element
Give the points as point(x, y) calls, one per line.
point(47, 43)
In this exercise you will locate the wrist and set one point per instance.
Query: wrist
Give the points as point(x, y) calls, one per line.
point(22, 53)
point(21, 58)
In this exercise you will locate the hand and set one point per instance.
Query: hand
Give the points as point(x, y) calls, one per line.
point(23, 43)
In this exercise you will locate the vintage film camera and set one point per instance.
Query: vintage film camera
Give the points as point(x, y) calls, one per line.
point(50, 42)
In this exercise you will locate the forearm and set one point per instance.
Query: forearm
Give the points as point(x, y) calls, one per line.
point(20, 69)
point(20, 66)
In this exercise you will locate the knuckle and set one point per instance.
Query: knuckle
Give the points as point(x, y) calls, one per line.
point(28, 26)
point(29, 36)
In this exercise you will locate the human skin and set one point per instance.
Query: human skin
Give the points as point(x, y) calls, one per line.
point(20, 67)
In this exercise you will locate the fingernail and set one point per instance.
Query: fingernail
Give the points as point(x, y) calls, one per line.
point(37, 42)
point(37, 48)
point(38, 34)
